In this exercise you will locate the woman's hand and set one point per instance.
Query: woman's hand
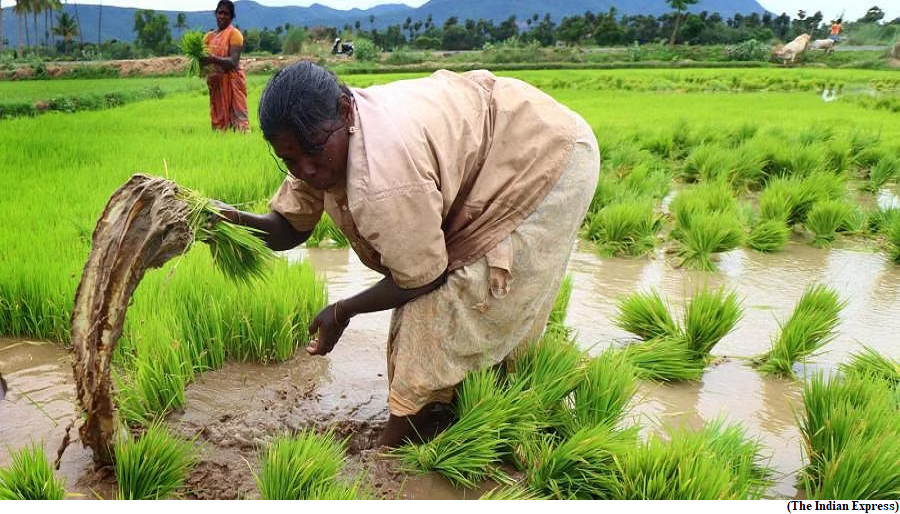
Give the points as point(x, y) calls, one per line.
point(330, 325)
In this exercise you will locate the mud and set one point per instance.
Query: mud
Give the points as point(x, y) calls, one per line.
point(236, 409)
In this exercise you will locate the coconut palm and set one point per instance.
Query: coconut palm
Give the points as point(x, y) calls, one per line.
point(22, 8)
point(680, 6)
point(66, 28)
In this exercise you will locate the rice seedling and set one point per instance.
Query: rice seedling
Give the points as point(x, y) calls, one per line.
point(154, 382)
point(583, 465)
point(646, 315)
point(836, 411)
point(706, 234)
point(824, 220)
point(192, 46)
point(472, 449)
point(810, 327)
point(892, 233)
point(305, 466)
point(152, 466)
point(512, 492)
point(547, 371)
point(556, 324)
point(327, 230)
point(884, 170)
point(708, 163)
point(717, 462)
point(664, 359)
point(868, 362)
point(236, 250)
point(603, 395)
point(626, 228)
point(768, 236)
point(790, 199)
point(865, 468)
point(29, 476)
point(877, 220)
point(708, 317)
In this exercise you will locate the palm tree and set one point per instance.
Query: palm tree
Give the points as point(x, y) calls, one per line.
point(680, 6)
point(180, 23)
point(66, 28)
point(1, 26)
point(22, 8)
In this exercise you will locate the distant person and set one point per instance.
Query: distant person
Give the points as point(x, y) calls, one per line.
point(836, 27)
point(226, 79)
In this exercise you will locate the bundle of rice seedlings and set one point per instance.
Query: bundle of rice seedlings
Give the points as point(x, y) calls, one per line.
point(625, 228)
point(811, 326)
point(710, 315)
point(892, 232)
point(769, 236)
point(664, 359)
point(824, 220)
point(236, 250)
point(743, 455)
point(603, 395)
point(646, 315)
point(192, 46)
point(706, 234)
point(304, 466)
point(472, 449)
point(866, 468)
point(837, 410)
point(549, 370)
point(29, 476)
point(583, 465)
point(152, 466)
point(869, 362)
point(513, 492)
point(327, 230)
point(154, 382)
point(556, 324)
point(884, 170)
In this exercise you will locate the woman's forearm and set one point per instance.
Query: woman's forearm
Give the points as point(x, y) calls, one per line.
point(277, 233)
point(384, 295)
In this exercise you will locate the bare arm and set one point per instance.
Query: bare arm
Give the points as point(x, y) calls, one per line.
point(277, 232)
point(226, 63)
point(384, 295)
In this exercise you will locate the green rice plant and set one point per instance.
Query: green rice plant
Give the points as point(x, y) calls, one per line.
point(556, 324)
point(29, 476)
point(664, 359)
point(892, 234)
point(884, 170)
point(805, 161)
point(304, 466)
point(715, 463)
point(879, 219)
point(708, 317)
point(790, 199)
point(837, 410)
point(327, 230)
point(743, 132)
point(629, 227)
point(603, 395)
point(748, 169)
point(512, 492)
point(865, 468)
point(154, 381)
point(152, 466)
point(646, 315)
point(708, 197)
point(824, 220)
point(868, 362)
point(192, 46)
point(814, 135)
point(810, 327)
point(236, 250)
point(706, 234)
point(472, 449)
point(768, 236)
point(583, 465)
point(549, 369)
point(708, 163)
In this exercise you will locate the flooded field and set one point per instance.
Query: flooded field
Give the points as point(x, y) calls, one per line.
point(235, 409)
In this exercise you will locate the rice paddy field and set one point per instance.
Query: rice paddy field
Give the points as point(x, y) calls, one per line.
point(728, 329)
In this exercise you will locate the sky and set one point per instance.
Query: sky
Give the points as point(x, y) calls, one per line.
point(852, 9)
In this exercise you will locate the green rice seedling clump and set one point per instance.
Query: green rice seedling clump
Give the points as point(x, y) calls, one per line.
point(892, 233)
point(327, 230)
point(603, 395)
point(305, 466)
point(152, 466)
point(824, 220)
point(237, 251)
point(29, 476)
point(708, 317)
point(512, 492)
point(626, 228)
point(865, 468)
point(769, 236)
point(192, 47)
point(884, 170)
point(868, 362)
point(646, 315)
point(556, 324)
point(706, 234)
point(811, 326)
point(664, 359)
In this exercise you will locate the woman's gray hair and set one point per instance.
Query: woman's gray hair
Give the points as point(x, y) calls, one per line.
point(304, 99)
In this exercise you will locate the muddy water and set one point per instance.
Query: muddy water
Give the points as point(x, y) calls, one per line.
point(235, 409)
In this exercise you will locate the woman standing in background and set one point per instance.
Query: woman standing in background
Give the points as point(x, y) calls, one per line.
point(226, 79)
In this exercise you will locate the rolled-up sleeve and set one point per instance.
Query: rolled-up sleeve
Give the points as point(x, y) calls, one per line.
point(299, 203)
point(404, 225)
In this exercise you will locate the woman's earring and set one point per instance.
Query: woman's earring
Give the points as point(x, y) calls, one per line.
point(351, 130)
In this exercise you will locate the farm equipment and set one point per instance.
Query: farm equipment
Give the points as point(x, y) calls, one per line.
point(340, 48)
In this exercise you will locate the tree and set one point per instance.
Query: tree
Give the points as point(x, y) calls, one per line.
point(873, 15)
point(1, 26)
point(180, 23)
point(66, 28)
point(680, 6)
point(152, 31)
point(22, 8)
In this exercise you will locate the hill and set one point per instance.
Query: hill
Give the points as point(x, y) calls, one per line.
point(117, 22)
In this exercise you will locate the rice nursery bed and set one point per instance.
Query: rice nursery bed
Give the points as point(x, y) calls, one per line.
point(753, 191)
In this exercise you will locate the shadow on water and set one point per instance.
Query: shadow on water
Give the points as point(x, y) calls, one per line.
point(238, 408)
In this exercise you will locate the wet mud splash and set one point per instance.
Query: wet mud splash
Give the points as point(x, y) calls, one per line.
point(143, 226)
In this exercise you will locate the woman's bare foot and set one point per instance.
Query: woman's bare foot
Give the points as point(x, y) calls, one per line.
point(422, 426)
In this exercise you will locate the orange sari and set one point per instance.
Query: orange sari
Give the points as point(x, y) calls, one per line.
point(227, 89)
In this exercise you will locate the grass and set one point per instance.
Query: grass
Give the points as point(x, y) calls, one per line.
point(305, 466)
point(868, 362)
point(646, 315)
point(826, 218)
point(626, 228)
point(705, 234)
point(768, 236)
point(884, 170)
point(29, 476)
point(152, 466)
point(810, 327)
point(604, 394)
point(192, 46)
point(708, 317)
point(664, 359)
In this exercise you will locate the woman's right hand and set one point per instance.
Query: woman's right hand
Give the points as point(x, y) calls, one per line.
point(330, 325)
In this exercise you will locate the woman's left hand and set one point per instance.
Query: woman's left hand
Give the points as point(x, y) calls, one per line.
point(330, 326)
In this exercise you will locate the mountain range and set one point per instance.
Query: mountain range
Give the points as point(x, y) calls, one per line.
point(106, 22)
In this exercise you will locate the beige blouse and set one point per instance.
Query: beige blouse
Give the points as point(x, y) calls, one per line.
point(440, 170)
